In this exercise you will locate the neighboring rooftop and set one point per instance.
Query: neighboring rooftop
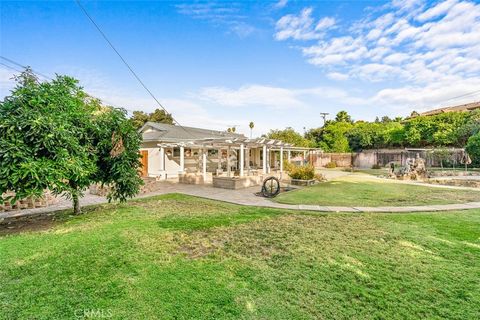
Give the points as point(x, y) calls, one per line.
point(154, 131)
point(464, 107)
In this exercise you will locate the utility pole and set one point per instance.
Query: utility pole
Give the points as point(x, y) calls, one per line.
point(324, 116)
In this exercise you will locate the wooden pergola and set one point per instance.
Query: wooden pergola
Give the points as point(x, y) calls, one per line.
point(241, 145)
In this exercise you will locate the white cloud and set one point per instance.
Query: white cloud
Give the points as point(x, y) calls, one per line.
point(302, 26)
point(277, 98)
point(418, 54)
point(325, 23)
point(336, 51)
point(423, 98)
point(337, 76)
point(252, 95)
point(406, 41)
point(280, 4)
point(437, 10)
point(226, 15)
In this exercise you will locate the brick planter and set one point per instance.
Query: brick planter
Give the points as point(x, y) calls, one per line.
point(303, 183)
point(236, 182)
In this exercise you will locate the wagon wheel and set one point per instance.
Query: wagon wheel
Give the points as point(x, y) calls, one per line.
point(270, 187)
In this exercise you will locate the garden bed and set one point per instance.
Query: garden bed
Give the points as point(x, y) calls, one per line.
point(303, 183)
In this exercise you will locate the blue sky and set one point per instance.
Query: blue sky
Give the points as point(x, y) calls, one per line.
point(278, 63)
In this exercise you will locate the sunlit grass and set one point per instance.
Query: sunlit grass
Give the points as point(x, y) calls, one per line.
point(182, 257)
point(362, 191)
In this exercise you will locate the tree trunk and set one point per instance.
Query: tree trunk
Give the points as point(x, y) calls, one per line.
point(76, 204)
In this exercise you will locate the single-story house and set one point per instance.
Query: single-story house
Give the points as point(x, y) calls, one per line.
point(459, 108)
point(195, 155)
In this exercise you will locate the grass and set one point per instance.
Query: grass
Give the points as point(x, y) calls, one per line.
point(353, 191)
point(182, 257)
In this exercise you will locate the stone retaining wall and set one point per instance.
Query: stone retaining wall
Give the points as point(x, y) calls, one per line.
point(29, 203)
point(150, 185)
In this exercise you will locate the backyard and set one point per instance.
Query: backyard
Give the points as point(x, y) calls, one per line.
point(176, 256)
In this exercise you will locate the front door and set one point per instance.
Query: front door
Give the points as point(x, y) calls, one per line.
point(144, 154)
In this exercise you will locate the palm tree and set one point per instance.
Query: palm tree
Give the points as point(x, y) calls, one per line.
point(251, 125)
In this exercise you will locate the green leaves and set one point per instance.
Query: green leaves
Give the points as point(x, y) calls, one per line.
point(473, 148)
point(53, 135)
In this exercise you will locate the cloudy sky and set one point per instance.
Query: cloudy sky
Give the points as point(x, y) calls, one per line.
point(279, 64)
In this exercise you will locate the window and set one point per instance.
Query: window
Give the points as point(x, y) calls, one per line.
point(176, 152)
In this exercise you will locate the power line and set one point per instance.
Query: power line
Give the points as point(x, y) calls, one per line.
point(473, 93)
point(126, 63)
point(24, 67)
point(10, 67)
point(49, 78)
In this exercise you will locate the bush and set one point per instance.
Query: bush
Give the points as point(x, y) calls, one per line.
point(376, 166)
point(331, 165)
point(473, 148)
point(306, 172)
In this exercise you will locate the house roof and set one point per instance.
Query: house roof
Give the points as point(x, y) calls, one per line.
point(169, 133)
point(464, 107)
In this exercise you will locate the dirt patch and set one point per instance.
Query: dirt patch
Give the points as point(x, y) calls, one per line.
point(38, 222)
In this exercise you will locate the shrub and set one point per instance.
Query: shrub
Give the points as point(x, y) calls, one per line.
point(331, 165)
point(473, 148)
point(306, 172)
point(376, 166)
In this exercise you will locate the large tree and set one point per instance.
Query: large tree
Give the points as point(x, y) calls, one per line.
point(343, 116)
point(139, 118)
point(54, 136)
point(289, 135)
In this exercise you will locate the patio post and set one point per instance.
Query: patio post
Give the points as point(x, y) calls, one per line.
point(242, 158)
point(229, 169)
point(264, 160)
point(281, 160)
point(182, 159)
point(247, 161)
point(219, 155)
point(288, 156)
point(204, 165)
point(304, 156)
point(269, 160)
point(162, 159)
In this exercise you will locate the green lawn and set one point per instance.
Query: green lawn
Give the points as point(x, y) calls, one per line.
point(361, 192)
point(179, 257)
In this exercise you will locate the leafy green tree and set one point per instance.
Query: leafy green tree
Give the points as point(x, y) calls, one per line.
point(54, 136)
point(437, 130)
point(334, 137)
point(343, 116)
point(469, 128)
point(139, 118)
point(289, 135)
point(159, 115)
point(473, 148)
point(315, 135)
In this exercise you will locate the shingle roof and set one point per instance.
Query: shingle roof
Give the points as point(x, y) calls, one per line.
point(464, 107)
point(171, 133)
